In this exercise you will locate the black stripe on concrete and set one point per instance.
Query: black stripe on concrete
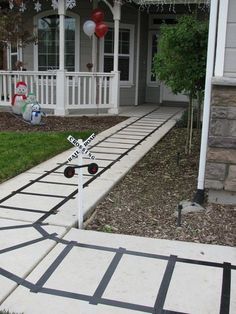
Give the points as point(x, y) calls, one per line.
point(15, 227)
point(225, 292)
point(24, 209)
point(42, 194)
point(110, 147)
point(161, 297)
point(24, 244)
point(44, 278)
point(28, 184)
point(58, 183)
point(123, 143)
point(18, 280)
point(107, 277)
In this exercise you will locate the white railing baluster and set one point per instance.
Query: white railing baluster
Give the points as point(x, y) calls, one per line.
point(73, 90)
point(68, 90)
point(5, 87)
point(79, 89)
point(84, 95)
point(90, 91)
point(105, 91)
point(41, 90)
point(52, 90)
point(46, 87)
point(100, 91)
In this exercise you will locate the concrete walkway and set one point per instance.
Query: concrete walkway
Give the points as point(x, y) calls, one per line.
point(46, 266)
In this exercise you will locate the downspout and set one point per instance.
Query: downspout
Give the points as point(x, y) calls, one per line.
point(137, 61)
point(199, 196)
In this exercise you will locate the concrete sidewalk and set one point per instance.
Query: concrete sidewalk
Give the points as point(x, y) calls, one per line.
point(46, 266)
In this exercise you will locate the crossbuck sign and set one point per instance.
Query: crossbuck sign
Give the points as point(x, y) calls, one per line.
point(78, 153)
point(81, 147)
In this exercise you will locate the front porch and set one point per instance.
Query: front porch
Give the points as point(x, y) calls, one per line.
point(60, 92)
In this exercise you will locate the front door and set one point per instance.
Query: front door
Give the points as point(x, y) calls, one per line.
point(157, 91)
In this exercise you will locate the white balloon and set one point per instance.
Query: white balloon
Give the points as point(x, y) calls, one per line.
point(89, 27)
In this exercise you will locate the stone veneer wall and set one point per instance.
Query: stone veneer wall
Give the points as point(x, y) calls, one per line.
point(221, 155)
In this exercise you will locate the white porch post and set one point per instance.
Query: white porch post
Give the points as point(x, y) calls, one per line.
point(61, 77)
point(116, 17)
point(116, 79)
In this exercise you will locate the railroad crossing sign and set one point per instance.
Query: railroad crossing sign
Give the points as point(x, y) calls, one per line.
point(69, 171)
point(81, 147)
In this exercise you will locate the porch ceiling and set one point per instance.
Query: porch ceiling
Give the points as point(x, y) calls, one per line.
point(153, 2)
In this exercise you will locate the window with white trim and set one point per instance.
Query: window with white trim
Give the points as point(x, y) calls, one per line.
point(48, 43)
point(125, 57)
point(14, 55)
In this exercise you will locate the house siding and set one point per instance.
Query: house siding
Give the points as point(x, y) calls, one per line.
point(221, 154)
point(230, 47)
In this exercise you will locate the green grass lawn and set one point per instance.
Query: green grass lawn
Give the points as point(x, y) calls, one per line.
point(20, 151)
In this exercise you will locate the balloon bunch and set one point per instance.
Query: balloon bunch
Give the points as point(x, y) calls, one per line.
point(96, 24)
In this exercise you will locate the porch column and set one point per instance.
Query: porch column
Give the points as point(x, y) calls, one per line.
point(61, 13)
point(61, 74)
point(116, 17)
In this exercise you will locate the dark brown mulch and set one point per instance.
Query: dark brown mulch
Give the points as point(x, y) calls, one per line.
point(9, 122)
point(143, 203)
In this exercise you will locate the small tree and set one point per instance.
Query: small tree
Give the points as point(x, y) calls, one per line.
point(12, 29)
point(181, 61)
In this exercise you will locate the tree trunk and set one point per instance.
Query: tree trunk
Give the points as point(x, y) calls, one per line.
point(199, 111)
point(188, 125)
point(191, 128)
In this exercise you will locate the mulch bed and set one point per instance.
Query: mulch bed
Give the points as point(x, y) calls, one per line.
point(143, 203)
point(8, 122)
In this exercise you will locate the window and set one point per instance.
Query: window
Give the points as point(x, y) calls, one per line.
point(125, 62)
point(14, 54)
point(48, 43)
point(152, 50)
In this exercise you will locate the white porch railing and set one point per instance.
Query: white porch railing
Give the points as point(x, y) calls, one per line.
point(62, 91)
point(42, 84)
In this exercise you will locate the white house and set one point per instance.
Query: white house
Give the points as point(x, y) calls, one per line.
point(122, 60)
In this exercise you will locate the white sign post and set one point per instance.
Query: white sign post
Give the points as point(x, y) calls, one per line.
point(78, 153)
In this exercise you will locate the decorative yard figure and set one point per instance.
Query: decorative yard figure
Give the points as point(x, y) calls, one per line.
point(36, 114)
point(27, 108)
point(19, 98)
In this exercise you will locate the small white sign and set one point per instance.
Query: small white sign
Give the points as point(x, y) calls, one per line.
point(81, 147)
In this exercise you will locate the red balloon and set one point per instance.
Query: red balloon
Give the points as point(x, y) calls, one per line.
point(101, 29)
point(97, 15)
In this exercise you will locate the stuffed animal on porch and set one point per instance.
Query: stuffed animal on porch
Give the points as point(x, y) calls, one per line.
point(27, 107)
point(36, 114)
point(19, 97)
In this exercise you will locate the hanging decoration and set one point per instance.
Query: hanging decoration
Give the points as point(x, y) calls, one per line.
point(70, 4)
point(55, 4)
point(97, 15)
point(89, 27)
point(96, 24)
point(38, 6)
point(101, 29)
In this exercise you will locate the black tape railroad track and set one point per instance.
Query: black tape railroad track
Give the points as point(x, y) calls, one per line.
point(122, 133)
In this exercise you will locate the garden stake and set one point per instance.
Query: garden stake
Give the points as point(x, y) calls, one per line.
point(180, 207)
